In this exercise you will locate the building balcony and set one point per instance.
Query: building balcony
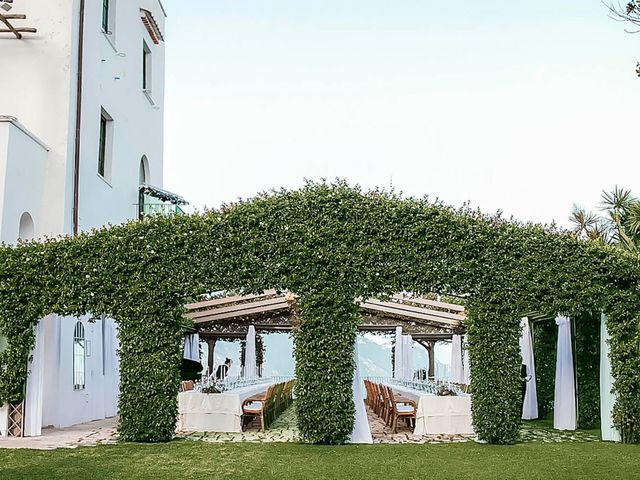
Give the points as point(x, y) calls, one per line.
point(156, 201)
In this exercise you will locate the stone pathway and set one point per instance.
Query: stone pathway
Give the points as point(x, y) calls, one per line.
point(284, 429)
point(99, 432)
point(404, 434)
point(540, 431)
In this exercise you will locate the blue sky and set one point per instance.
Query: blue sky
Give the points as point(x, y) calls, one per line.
point(521, 106)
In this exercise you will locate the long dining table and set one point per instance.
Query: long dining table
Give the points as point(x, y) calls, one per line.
point(214, 412)
point(436, 415)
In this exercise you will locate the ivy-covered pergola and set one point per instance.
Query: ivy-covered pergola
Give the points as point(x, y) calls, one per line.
point(332, 245)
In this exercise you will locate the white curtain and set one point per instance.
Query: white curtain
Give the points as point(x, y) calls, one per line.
point(530, 405)
point(397, 355)
point(250, 354)
point(564, 409)
point(35, 386)
point(607, 398)
point(361, 432)
point(456, 359)
point(466, 366)
point(112, 367)
point(192, 347)
point(407, 357)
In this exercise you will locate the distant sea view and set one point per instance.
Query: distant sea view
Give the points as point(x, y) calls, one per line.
point(374, 355)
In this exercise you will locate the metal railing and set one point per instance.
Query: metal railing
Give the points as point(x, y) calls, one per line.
point(150, 209)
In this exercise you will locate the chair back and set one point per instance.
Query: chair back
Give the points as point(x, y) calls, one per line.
point(389, 397)
point(187, 385)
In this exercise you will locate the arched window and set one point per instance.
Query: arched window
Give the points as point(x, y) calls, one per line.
point(143, 176)
point(26, 229)
point(79, 350)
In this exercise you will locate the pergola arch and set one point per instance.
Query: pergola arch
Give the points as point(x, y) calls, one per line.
point(229, 316)
point(330, 244)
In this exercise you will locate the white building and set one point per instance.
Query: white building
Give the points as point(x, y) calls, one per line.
point(81, 129)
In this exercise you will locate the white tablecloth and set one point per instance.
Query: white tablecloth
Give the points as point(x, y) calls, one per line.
point(214, 412)
point(439, 415)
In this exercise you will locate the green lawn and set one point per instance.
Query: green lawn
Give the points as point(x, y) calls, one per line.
point(183, 459)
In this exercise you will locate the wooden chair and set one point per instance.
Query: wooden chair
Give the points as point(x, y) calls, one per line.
point(386, 408)
point(257, 406)
point(187, 385)
point(375, 402)
point(379, 400)
point(401, 407)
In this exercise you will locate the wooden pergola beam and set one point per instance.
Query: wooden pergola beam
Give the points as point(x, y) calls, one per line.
point(411, 312)
point(5, 17)
point(239, 309)
point(361, 328)
point(432, 303)
point(224, 300)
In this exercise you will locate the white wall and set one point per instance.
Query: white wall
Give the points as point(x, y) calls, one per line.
point(23, 163)
point(113, 81)
point(41, 93)
point(64, 406)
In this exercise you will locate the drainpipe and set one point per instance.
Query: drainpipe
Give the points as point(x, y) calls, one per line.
point(76, 160)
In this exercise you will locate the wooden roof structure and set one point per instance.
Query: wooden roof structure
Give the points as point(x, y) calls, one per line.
point(273, 311)
point(6, 24)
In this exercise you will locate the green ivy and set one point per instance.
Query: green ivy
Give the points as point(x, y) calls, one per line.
point(329, 244)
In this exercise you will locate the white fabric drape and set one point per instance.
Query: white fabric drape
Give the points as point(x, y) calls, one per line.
point(530, 405)
point(607, 397)
point(407, 357)
point(466, 366)
point(35, 386)
point(192, 347)
point(112, 366)
point(564, 410)
point(361, 432)
point(456, 359)
point(250, 354)
point(398, 371)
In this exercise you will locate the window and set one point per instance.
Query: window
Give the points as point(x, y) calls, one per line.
point(105, 145)
point(143, 174)
point(146, 67)
point(109, 19)
point(26, 228)
point(105, 15)
point(79, 348)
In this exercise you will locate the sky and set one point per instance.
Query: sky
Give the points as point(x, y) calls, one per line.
point(524, 107)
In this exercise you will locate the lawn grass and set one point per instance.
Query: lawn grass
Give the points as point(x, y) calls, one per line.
point(183, 459)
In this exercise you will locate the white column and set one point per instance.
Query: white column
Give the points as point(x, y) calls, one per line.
point(456, 359)
point(35, 386)
point(466, 366)
point(407, 351)
point(397, 355)
point(250, 354)
point(564, 410)
point(530, 405)
point(607, 398)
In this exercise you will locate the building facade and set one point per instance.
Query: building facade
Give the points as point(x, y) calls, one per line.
point(81, 130)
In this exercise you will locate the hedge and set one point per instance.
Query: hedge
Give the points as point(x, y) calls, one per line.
point(330, 244)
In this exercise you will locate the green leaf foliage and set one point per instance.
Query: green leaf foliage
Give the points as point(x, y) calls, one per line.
point(329, 244)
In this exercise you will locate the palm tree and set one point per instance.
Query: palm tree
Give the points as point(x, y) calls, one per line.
point(620, 226)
